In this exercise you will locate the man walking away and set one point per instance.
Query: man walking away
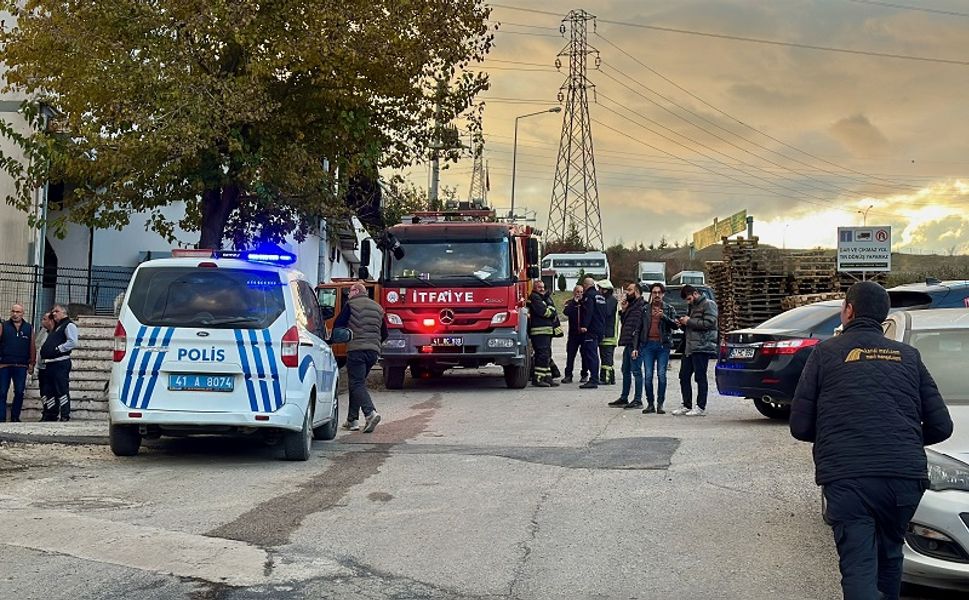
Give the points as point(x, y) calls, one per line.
point(607, 346)
point(869, 406)
point(17, 358)
point(700, 346)
point(573, 343)
point(592, 314)
point(541, 320)
point(632, 366)
point(365, 318)
point(655, 339)
point(56, 354)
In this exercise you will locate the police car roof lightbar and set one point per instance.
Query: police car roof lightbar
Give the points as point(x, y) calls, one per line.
point(271, 256)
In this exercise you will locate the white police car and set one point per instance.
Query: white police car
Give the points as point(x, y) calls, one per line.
point(222, 342)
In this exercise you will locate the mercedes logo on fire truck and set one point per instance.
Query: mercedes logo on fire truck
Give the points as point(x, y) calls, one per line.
point(447, 316)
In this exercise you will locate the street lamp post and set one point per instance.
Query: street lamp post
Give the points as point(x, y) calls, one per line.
point(514, 152)
point(864, 215)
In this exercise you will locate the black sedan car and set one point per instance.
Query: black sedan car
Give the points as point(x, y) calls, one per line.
point(765, 362)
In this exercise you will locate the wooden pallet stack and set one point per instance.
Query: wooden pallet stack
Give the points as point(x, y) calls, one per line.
point(813, 272)
point(804, 299)
point(760, 280)
point(721, 281)
point(845, 280)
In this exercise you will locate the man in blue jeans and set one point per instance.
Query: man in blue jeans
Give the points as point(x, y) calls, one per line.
point(365, 318)
point(631, 316)
point(17, 357)
point(700, 344)
point(870, 406)
point(655, 339)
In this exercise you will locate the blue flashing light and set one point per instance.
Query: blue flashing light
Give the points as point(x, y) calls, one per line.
point(276, 258)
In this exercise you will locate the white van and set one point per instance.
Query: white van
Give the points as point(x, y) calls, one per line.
point(210, 344)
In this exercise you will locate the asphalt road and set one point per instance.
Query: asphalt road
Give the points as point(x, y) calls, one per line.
point(466, 490)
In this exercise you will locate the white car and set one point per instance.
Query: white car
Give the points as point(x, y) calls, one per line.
point(937, 543)
point(210, 344)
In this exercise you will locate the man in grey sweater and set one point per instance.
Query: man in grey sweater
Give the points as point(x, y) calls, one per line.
point(365, 318)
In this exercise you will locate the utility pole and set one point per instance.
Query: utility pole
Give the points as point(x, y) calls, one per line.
point(575, 191)
point(478, 194)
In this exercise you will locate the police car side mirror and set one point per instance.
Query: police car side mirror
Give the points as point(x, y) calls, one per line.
point(534, 272)
point(340, 335)
point(327, 312)
point(532, 252)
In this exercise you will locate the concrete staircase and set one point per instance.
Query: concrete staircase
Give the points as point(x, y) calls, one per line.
point(90, 373)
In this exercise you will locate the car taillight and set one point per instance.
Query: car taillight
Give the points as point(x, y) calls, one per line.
point(120, 342)
point(723, 348)
point(290, 350)
point(787, 346)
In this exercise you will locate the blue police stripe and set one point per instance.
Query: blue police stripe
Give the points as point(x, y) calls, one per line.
point(260, 370)
point(247, 373)
point(273, 368)
point(159, 357)
point(144, 365)
point(304, 366)
point(131, 361)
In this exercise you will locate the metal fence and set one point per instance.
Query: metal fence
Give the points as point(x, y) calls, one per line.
point(82, 291)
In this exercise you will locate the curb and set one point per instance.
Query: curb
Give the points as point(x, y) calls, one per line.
point(54, 438)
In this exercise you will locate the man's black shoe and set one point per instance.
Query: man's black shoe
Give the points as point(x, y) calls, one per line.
point(619, 403)
point(589, 385)
point(584, 379)
point(541, 383)
point(552, 383)
point(660, 411)
point(567, 380)
point(634, 405)
point(649, 410)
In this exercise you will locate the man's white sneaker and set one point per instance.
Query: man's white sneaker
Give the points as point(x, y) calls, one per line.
point(371, 422)
point(351, 426)
point(680, 411)
point(695, 412)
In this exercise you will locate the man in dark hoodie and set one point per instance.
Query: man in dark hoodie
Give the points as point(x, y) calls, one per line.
point(592, 313)
point(869, 406)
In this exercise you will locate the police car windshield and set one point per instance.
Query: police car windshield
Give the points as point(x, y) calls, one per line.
point(206, 297)
point(465, 261)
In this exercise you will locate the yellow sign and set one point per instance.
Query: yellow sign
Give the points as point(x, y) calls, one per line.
point(712, 234)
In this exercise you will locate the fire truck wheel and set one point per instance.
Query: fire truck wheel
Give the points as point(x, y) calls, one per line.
point(394, 377)
point(516, 377)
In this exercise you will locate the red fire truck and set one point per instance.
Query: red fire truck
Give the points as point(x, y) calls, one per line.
point(454, 286)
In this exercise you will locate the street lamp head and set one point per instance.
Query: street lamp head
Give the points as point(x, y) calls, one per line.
point(555, 109)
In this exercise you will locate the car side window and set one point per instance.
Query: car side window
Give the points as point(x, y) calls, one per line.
point(311, 308)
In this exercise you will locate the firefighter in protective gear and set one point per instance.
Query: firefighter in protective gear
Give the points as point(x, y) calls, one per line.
point(542, 322)
point(610, 338)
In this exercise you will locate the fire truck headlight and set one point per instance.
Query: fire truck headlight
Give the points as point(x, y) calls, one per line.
point(499, 318)
point(393, 343)
point(501, 343)
point(394, 319)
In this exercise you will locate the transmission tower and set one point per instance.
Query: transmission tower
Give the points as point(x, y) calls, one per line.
point(478, 196)
point(575, 192)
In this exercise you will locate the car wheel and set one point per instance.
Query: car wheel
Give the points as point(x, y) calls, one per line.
point(394, 377)
point(297, 444)
point(773, 410)
point(125, 439)
point(329, 430)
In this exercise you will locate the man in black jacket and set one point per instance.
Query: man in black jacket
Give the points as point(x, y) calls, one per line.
point(56, 354)
point(631, 317)
point(592, 313)
point(869, 406)
point(574, 340)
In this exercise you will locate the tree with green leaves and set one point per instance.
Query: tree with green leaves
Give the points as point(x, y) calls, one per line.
point(252, 113)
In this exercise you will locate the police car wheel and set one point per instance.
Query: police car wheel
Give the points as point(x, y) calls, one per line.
point(125, 440)
point(329, 430)
point(297, 444)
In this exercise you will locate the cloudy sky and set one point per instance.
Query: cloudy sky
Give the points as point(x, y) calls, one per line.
point(689, 127)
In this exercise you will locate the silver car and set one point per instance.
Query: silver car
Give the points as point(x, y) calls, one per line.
point(937, 543)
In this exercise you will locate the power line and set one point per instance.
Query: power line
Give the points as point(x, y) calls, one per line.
point(915, 8)
point(742, 123)
point(740, 38)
